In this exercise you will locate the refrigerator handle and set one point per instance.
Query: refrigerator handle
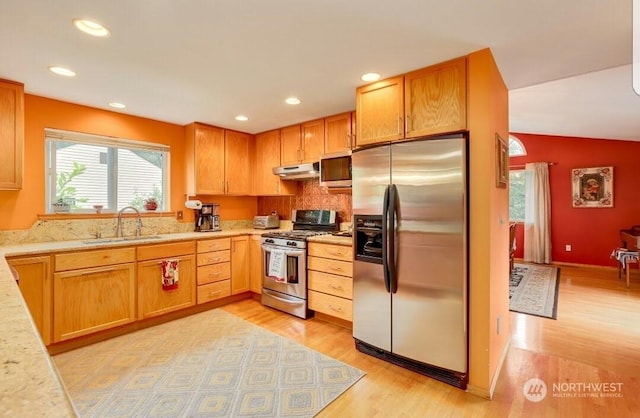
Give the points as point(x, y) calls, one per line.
point(385, 243)
point(391, 257)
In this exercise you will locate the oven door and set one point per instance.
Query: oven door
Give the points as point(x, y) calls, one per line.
point(296, 277)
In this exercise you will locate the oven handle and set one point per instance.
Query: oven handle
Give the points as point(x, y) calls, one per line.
point(290, 302)
point(287, 252)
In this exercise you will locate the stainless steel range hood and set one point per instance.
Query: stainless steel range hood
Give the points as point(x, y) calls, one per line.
point(298, 172)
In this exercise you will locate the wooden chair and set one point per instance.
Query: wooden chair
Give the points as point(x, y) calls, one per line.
point(512, 244)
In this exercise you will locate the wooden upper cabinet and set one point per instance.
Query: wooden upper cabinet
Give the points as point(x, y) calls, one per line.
point(424, 102)
point(436, 99)
point(338, 136)
point(267, 156)
point(11, 135)
point(205, 159)
point(380, 109)
point(290, 150)
point(312, 141)
point(237, 163)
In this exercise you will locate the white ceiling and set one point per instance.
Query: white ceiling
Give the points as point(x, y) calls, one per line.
point(566, 63)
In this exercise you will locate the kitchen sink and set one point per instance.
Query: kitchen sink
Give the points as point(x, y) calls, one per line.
point(120, 239)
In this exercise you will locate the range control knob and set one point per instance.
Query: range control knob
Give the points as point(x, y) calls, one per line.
point(292, 243)
point(269, 240)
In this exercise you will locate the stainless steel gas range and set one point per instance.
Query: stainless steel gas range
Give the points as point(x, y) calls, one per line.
point(284, 261)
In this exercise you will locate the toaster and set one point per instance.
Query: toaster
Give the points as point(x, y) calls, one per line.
point(266, 221)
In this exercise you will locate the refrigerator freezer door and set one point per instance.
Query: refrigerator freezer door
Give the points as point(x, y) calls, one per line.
point(371, 301)
point(371, 173)
point(429, 308)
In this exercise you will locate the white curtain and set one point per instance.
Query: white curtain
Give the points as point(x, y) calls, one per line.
point(537, 214)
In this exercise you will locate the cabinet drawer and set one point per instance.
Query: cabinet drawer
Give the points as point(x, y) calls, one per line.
point(175, 249)
point(214, 245)
point(213, 291)
point(331, 305)
point(343, 268)
point(213, 257)
point(336, 252)
point(214, 273)
point(331, 284)
point(97, 258)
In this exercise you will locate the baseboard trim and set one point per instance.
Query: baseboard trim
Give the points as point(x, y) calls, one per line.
point(567, 264)
point(488, 393)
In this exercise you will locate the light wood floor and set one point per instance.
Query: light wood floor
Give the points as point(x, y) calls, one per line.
point(596, 339)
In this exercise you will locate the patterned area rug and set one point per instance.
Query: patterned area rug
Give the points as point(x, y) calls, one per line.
point(212, 364)
point(533, 290)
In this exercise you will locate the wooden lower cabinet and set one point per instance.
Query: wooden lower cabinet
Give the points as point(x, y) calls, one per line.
point(214, 269)
point(93, 299)
point(239, 264)
point(36, 287)
point(330, 274)
point(213, 291)
point(255, 263)
point(153, 300)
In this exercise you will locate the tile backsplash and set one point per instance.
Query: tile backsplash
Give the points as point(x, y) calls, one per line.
point(310, 195)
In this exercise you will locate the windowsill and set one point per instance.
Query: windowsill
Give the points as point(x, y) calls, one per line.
point(104, 215)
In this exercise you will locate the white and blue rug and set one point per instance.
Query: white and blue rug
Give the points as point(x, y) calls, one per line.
point(212, 364)
point(533, 290)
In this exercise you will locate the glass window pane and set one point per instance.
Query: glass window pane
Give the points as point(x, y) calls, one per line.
point(86, 170)
point(140, 176)
point(516, 195)
point(81, 175)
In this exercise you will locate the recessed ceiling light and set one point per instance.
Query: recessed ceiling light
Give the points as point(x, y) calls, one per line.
point(62, 71)
point(117, 105)
point(370, 77)
point(242, 118)
point(293, 101)
point(92, 28)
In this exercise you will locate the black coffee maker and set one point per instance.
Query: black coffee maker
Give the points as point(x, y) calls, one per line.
point(207, 218)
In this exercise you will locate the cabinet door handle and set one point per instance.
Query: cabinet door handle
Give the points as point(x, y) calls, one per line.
point(335, 268)
point(88, 273)
point(400, 127)
point(336, 309)
point(348, 141)
point(409, 122)
point(216, 293)
point(334, 252)
point(336, 287)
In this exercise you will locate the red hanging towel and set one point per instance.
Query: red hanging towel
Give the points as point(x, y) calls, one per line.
point(169, 274)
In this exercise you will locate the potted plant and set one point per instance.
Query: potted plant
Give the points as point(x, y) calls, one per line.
point(61, 206)
point(151, 203)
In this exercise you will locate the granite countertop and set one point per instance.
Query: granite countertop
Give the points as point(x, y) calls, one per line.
point(332, 239)
point(30, 384)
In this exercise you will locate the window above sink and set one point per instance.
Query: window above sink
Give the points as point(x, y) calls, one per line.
point(95, 174)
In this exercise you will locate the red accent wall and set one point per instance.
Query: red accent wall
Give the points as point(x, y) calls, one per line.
point(592, 232)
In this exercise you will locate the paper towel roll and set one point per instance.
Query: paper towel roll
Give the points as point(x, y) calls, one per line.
point(193, 204)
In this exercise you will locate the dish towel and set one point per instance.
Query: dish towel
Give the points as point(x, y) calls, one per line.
point(278, 266)
point(169, 274)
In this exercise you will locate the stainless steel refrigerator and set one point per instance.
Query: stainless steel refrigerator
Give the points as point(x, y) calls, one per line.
point(410, 255)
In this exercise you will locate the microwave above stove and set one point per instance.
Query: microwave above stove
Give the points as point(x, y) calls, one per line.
point(335, 170)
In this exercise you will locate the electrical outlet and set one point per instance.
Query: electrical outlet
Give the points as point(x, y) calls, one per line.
point(567, 247)
point(179, 215)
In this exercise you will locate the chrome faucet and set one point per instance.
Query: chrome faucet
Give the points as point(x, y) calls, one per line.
point(119, 232)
